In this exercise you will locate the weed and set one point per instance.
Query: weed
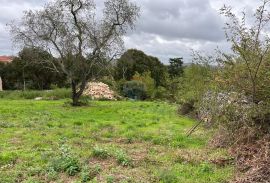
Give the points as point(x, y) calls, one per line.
point(88, 174)
point(65, 162)
point(5, 124)
point(100, 152)
point(122, 158)
point(167, 176)
point(110, 179)
point(78, 123)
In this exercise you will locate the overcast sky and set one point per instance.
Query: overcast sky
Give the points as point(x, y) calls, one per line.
point(166, 28)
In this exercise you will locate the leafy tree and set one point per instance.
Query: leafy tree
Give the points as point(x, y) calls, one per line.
point(133, 61)
point(135, 90)
point(78, 38)
point(26, 71)
point(250, 44)
point(175, 69)
point(196, 81)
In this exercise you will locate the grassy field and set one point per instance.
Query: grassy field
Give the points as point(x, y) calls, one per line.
point(48, 141)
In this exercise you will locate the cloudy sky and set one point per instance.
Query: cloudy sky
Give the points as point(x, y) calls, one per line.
point(166, 28)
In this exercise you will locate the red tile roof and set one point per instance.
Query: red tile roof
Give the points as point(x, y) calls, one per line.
point(5, 59)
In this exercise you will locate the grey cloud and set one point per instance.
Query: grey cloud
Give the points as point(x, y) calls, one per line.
point(181, 19)
point(165, 49)
point(166, 28)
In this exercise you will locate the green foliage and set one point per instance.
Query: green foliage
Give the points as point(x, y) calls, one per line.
point(233, 76)
point(148, 81)
point(89, 174)
point(61, 93)
point(250, 45)
point(161, 93)
point(122, 158)
point(135, 90)
point(29, 71)
point(175, 69)
point(133, 61)
point(65, 161)
point(100, 152)
point(196, 81)
point(110, 179)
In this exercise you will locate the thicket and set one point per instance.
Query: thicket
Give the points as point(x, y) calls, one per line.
point(233, 97)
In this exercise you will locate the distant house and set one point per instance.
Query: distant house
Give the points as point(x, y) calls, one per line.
point(6, 59)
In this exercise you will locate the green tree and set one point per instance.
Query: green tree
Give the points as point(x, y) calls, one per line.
point(250, 44)
point(197, 79)
point(175, 69)
point(80, 39)
point(133, 61)
point(27, 72)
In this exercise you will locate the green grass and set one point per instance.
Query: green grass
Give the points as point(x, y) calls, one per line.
point(60, 93)
point(49, 141)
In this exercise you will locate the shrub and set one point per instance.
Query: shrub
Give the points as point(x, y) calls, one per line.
point(100, 152)
point(161, 93)
point(239, 119)
point(90, 173)
point(148, 81)
point(122, 158)
point(65, 161)
point(186, 108)
point(196, 81)
point(134, 90)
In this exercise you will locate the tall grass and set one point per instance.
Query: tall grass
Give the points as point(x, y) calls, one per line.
point(60, 93)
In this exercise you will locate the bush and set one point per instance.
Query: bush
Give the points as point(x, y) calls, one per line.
point(239, 119)
point(100, 152)
point(61, 93)
point(65, 161)
point(186, 108)
point(134, 90)
point(122, 158)
point(148, 81)
point(161, 93)
point(89, 174)
point(196, 81)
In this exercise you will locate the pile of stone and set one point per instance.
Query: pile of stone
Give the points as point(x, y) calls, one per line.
point(98, 91)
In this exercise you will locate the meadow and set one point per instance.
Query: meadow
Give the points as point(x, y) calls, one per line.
point(121, 141)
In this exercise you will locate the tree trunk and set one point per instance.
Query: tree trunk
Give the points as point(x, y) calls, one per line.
point(253, 91)
point(75, 96)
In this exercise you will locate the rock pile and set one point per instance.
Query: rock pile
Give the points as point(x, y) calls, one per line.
point(99, 90)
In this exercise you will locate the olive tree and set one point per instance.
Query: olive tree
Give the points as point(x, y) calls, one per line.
point(75, 33)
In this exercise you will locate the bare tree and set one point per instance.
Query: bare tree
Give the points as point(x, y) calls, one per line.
point(71, 30)
point(250, 42)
